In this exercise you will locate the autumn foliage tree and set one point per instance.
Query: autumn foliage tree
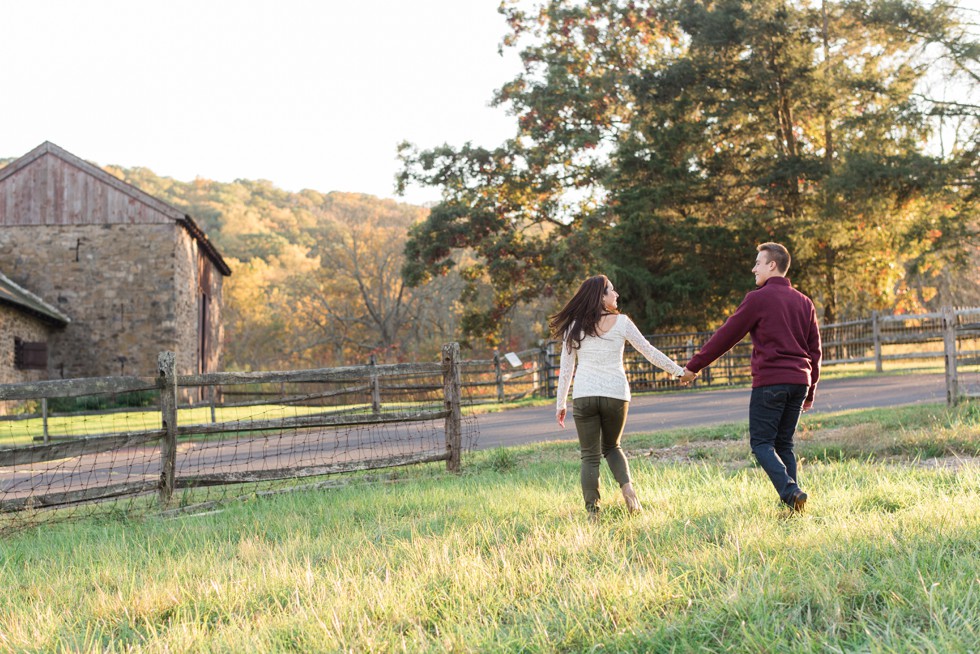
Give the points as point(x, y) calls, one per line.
point(316, 276)
point(660, 141)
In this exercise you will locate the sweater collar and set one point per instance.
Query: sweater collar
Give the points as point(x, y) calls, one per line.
point(777, 281)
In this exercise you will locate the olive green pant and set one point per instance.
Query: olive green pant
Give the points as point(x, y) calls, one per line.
point(599, 422)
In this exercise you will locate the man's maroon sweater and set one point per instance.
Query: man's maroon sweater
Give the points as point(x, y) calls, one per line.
point(785, 336)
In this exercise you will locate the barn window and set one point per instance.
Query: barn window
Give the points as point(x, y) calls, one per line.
point(30, 356)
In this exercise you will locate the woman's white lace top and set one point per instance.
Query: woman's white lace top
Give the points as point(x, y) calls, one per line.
point(600, 363)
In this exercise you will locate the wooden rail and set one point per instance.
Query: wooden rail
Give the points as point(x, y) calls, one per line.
point(371, 380)
point(32, 454)
point(318, 375)
point(315, 420)
point(76, 387)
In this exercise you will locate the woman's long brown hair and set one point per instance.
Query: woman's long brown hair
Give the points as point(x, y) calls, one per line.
point(584, 311)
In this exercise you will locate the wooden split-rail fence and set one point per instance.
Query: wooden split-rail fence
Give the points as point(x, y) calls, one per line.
point(435, 399)
point(451, 384)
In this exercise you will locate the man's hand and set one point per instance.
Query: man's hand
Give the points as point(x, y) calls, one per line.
point(807, 405)
point(687, 377)
point(560, 417)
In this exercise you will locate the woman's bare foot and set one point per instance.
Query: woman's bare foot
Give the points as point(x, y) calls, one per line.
point(632, 501)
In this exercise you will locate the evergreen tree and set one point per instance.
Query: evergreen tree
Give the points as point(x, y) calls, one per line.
point(660, 141)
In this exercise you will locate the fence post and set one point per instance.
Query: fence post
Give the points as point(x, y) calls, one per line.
point(44, 418)
point(375, 388)
point(949, 351)
point(536, 374)
point(211, 394)
point(452, 393)
point(167, 367)
point(548, 379)
point(499, 375)
point(876, 336)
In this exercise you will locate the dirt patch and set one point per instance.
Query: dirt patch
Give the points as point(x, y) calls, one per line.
point(854, 434)
point(693, 452)
point(952, 463)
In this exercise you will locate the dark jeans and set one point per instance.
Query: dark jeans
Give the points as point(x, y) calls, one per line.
point(599, 422)
point(774, 412)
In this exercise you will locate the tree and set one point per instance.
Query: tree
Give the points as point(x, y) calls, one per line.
point(661, 140)
point(532, 210)
point(945, 233)
point(356, 302)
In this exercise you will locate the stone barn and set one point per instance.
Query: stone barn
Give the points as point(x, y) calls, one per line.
point(129, 275)
point(26, 325)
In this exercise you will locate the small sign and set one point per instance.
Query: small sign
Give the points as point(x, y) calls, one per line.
point(513, 360)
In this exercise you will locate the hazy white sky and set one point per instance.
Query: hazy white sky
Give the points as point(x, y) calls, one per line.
point(305, 93)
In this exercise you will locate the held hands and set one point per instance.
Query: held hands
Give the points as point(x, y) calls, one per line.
point(687, 377)
point(560, 417)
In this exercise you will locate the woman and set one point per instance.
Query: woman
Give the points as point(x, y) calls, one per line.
point(593, 334)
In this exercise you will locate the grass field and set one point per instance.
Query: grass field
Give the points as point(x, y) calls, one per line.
point(502, 557)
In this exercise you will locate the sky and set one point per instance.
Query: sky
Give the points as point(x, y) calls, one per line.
point(304, 93)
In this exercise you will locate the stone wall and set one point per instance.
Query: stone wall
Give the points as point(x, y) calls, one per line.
point(198, 281)
point(114, 281)
point(14, 323)
point(119, 263)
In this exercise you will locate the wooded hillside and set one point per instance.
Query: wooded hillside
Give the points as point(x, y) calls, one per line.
point(316, 276)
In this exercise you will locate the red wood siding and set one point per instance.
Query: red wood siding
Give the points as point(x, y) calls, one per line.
point(51, 191)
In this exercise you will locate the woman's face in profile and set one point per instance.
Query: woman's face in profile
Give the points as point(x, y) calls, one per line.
point(610, 297)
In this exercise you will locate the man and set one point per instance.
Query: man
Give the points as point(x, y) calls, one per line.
point(785, 365)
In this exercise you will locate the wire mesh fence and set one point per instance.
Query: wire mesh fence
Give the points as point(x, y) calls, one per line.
point(88, 445)
point(127, 444)
point(848, 342)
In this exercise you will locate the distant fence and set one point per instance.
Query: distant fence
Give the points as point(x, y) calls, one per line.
point(879, 340)
point(321, 422)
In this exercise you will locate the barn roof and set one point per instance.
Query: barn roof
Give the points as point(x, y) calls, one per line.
point(123, 187)
point(20, 298)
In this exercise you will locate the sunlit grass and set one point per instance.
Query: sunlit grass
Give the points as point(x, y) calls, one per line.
point(502, 558)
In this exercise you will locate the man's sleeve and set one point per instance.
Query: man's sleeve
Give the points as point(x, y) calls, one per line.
point(728, 335)
point(816, 354)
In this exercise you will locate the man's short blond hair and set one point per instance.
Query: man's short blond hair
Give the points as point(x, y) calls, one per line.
point(777, 253)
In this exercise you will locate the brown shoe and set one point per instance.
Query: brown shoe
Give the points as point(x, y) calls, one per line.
point(797, 501)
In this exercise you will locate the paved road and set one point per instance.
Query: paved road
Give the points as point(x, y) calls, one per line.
point(691, 408)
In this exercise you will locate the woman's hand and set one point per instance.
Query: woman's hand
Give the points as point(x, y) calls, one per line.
point(560, 417)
